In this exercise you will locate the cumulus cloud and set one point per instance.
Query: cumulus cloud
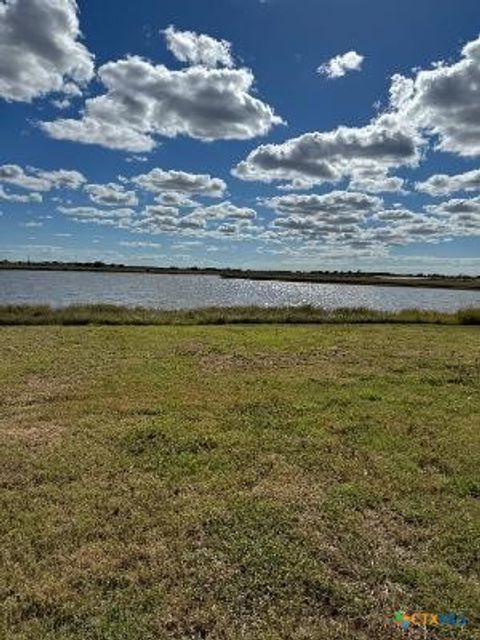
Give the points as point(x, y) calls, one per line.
point(347, 204)
point(161, 210)
point(40, 49)
point(395, 215)
point(374, 181)
point(444, 185)
point(121, 217)
point(357, 222)
point(296, 227)
point(157, 219)
point(198, 49)
point(444, 101)
point(346, 152)
point(175, 199)
point(30, 198)
point(461, 213)
point(420, 228)
point(181, 182)
point(217, 220)
point(111, 195)
point(61, 178)
point(40, 180)
point(436, 223)
point(337, 221)
point(144, 100)
point(340, 65)
point(322, 217)
point(223, 211)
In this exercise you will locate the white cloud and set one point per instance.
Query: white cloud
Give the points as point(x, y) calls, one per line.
point(111, 195)
point(338, 66)
point(223, 211)
point(121, 217)
point(181, 182)
point(377, 182)
point(136, 159)
point(178, 200)
point(444, 185)
point(30, 198)
point(322, 217)
point(40, 50)
point(40, 180)
point(64, 103)
point(456, 205)
point(346, 152)
point(347, 204)
point(436, 223)
point(444, 101)
point(32, 224)
point(140, 244)
point(198, 49)
point(61, 178)
point(144, 100)
point(161, 211)
point(203, 221)
point(356, 222)
point(406, 231)
point(395, 215)
point(157, 219)
point(187, 244)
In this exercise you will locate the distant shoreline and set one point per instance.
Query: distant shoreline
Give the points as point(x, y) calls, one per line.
point(471, 283)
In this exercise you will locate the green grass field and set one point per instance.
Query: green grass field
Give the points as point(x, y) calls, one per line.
point(238, 482)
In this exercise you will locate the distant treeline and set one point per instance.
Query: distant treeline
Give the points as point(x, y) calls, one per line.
point(55, 265)
point(345, 277)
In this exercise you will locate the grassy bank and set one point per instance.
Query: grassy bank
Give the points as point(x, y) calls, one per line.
point(237, 482)
point(115, 315)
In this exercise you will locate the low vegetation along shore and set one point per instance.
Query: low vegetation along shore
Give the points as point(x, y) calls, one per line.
point(117, 315)
point(248, 482)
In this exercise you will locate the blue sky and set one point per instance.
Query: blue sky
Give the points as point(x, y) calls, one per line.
point(341, 134)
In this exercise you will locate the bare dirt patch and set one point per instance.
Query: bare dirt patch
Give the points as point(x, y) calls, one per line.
point(31, 432)
point(214, 361)
point(38, 389)
point(288, 484)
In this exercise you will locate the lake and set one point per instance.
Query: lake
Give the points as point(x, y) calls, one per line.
point(61, 288)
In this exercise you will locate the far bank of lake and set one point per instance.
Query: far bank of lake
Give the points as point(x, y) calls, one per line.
point(432, 281)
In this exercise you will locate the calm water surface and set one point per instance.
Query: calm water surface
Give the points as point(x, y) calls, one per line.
point(60, 288)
